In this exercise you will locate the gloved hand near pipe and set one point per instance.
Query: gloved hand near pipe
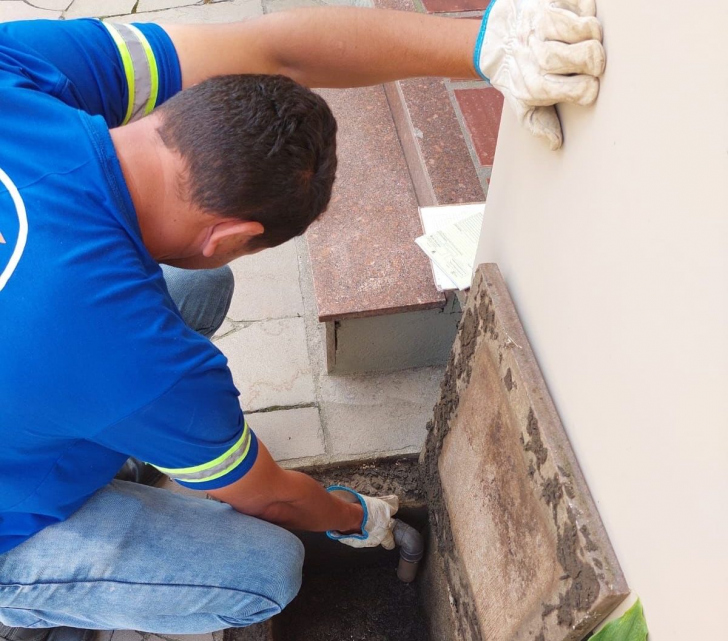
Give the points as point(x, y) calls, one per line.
point(538, 53)
point(377, 524)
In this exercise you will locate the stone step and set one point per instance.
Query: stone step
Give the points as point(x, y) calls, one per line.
point(403, 145)
point(374, 287)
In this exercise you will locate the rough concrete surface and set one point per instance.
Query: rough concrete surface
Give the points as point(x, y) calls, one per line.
point(525, 551)
point(17, 10)
point(266, 285)
point(380, 412)
point(270, 363)
point(291, 433)
point(99, 8)
point(394, 341)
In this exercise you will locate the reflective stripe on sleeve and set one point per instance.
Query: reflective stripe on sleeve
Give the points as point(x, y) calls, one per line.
point(140, 69)
point(221, 466)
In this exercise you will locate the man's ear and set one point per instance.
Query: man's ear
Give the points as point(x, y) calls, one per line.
point(231, 231)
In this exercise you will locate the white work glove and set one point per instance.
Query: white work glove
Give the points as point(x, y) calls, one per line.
point(377, 525)
point(541, 52)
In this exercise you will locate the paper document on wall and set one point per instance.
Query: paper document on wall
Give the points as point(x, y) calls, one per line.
point(453, 248)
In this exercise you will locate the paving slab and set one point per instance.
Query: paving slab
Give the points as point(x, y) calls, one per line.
point(290, 434)
point(266, 285)
point(159, 5)
point(54, 5)
point(269, 362)
point(205, 13)
point(525, 551)
point(378, 413)
point(17, 10)
point(99, 8)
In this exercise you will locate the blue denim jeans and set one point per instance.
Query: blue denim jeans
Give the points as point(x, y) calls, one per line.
point(143, 558)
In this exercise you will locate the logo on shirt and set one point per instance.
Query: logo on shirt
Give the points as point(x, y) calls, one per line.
point(13, 228)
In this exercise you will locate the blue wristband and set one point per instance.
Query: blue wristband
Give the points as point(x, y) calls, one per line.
point(479, 41)
point(333, 534)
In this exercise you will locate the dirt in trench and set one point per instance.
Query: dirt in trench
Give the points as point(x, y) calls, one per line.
point(366, 605)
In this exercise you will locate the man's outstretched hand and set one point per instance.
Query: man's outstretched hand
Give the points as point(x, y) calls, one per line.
point(538, 53)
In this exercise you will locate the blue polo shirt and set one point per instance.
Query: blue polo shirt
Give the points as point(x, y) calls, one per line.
point(96, 363)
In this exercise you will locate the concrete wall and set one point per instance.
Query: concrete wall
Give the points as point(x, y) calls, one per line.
point(615, 250)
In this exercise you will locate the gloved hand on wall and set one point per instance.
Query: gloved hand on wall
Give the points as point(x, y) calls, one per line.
point(377, 525)
point(538, 53)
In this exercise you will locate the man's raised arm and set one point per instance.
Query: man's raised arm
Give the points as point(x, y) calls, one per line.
point(536, 52)
point(329, 47)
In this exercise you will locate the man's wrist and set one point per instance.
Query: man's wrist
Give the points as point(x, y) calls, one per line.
point(355, 517)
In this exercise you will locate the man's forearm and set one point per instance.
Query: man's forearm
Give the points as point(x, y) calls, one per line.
point(313, 508)
point(287, 498)
point(349, 47)
point(330, 46)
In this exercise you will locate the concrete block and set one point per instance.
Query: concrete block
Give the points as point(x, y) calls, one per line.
point(290, 434)
point(99, 8)
point(204, 13)
point(266, 285)
point(378, 413)
point(269, 362)
point(392, 342)
point(526, 554)
point(18, 10)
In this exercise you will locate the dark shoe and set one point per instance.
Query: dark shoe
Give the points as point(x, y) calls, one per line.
point(46, 634)
point(23, 634)
point(136, 471)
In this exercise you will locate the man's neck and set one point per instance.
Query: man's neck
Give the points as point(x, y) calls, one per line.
point(140, 151)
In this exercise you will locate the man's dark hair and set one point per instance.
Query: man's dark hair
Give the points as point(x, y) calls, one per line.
point(257, 147)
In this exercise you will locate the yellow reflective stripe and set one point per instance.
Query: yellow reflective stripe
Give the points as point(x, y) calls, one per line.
point(233, 452)
point(153, 70)
point(222, 472)
point(128, 68)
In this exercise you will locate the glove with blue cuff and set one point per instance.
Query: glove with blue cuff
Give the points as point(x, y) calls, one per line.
point(377, 524)
point(538, 53)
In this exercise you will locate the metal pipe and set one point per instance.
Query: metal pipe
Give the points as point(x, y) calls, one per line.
point(411, 550)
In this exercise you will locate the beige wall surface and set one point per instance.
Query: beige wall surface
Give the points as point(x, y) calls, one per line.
point(615, 250)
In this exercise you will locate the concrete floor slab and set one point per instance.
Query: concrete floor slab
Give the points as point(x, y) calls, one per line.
point(99, 8)
point(204, 13)
point(266, 285)
point(18, 10)
point(269, 363)
point(290, 434)
point(159, 5)
point(378, 413)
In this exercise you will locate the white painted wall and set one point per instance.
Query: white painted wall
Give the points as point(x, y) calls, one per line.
point(615, 250)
